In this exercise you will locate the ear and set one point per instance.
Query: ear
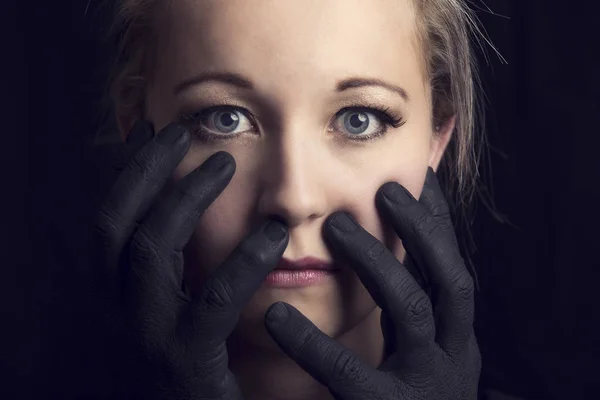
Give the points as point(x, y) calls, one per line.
point(440, 141)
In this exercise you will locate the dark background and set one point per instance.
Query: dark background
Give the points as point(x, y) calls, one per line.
point(538, 324)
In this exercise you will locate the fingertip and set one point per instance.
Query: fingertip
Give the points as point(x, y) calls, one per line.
point(276, 314)
point(341, 221)
point(275, 230)
point(226, 161)
point(380, 196)
point(172, 135)
point(327, 225)
point(396, 194)
point(225, 156)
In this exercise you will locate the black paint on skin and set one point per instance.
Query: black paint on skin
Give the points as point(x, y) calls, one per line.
point(146, 286)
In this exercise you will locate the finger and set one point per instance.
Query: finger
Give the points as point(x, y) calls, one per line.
point(214, 313)
point(156, 247)
point(434, 240)
point(326, 360)
point(437, 209)
point(432, 197)
point(387, 326)
point(434, 201)
point(390, 284)
point(137, 187)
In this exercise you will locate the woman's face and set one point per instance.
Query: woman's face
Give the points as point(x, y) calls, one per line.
point(303, 82)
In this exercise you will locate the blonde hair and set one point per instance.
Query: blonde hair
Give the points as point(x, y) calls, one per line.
point(445, 31)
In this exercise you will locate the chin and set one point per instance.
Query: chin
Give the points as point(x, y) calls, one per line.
point(324, 306)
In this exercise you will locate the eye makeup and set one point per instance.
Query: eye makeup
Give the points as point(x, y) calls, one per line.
point(196, 121)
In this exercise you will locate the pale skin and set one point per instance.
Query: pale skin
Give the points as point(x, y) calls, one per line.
point(295, 158)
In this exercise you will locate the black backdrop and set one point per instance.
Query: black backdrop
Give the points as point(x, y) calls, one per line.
point(538, 325)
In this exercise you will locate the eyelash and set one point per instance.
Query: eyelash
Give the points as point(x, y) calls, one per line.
point(387, 117)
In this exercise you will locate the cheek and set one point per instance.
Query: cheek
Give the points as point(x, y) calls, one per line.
point(405, 164)
point(226, 221)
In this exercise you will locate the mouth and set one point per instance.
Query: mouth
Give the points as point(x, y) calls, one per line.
point(307, 271)
point(306, 263)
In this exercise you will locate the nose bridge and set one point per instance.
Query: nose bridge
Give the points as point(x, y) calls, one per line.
point(293, 185)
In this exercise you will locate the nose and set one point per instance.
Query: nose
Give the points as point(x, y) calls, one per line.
point(293, 182)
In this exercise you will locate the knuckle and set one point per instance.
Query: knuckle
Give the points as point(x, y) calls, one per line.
point(218, 294)
point(346, 369)
point(463, 287)
point(375, 250)
point(140, 164)
point(141, 240)
point(144, 244)
point(106, 223)
point(423, 225)
point(419, 310)
point(440, 209)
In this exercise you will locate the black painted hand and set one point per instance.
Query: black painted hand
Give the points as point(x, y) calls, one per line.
point(434, 355)
point(167, 344)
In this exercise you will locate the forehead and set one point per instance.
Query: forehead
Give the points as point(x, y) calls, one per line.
point(312, 39)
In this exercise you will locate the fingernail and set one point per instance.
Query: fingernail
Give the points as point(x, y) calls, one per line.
point(277, 313)
point(275, 230)
point(170, 135)
point(396, 193)
point(344, 222)
point(216, 162)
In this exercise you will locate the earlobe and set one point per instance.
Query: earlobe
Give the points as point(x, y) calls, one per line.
point(439, 142)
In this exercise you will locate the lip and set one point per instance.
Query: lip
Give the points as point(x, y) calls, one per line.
point(306, 263)
point(307, 271)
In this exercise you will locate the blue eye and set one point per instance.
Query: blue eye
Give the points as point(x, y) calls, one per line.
point(225, 121)
point(360, 122)
point(222, 121)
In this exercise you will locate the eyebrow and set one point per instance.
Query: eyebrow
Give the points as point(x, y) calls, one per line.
point(229, 78)
point(234, 79)
point(357, 82)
